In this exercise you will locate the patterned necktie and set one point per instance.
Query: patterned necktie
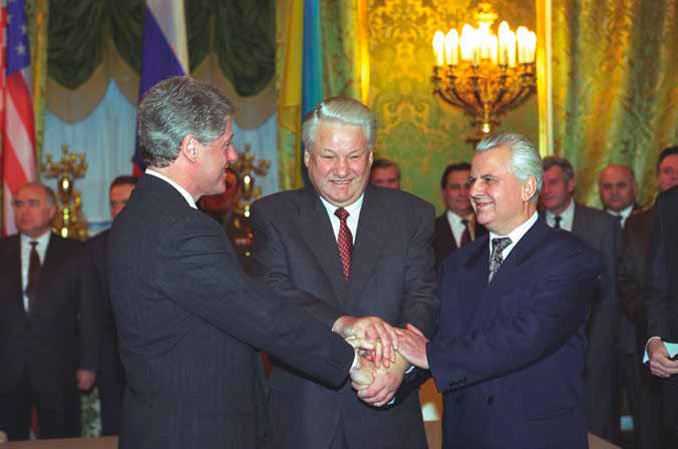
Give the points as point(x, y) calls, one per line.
point(344, 242)
point(557, 219)
point(466, 235)
point(33, 276)
point(496, 258)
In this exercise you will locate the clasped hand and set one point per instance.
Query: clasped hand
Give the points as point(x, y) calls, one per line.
point(376, 376)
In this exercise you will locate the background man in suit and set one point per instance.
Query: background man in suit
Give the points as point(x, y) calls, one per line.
point(360, 250)
point(188, 318)
point(385, 173)
point(110, 375)
point(601, 231)
point(457, 225)
point(48, 331)
point(662, 306)
point(634, 281)
point(509, 351)
point(617, 188)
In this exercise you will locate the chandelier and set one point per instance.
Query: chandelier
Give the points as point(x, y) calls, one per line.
point(484, 74)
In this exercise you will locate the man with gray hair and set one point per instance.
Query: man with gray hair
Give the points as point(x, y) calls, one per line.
point(602, 232)
point(509, 352)
point(360, 250)
point(188, 319)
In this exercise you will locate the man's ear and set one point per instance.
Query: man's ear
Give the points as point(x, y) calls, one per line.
point(307, 157)
point(571, 184)
point(189, 147)
point(529, 189)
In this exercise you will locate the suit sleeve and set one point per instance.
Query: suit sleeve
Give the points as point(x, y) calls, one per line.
point(657, 294)
point(544, 316)
point(90, 312)
point(200, 273)
point(420, 302)
point(271, 265)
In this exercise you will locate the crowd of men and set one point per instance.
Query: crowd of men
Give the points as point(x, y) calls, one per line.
point(532, 312)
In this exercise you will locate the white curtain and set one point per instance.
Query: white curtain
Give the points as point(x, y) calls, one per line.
point(107, 139)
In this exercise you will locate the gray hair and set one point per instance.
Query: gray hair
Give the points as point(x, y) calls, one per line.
point(47, 190)
point(175, 108)
point(564, 164)
point(525, 161)
point(342, 110)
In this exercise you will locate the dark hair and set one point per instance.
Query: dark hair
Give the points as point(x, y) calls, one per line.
point(564, 164)
point(666, 152)
point(385, 163)
point(175, 108)
point(459, 166)
point(124, 180)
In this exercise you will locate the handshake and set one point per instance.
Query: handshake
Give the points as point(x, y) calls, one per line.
point(384, 354)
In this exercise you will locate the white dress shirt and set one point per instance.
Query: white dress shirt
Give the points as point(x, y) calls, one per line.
point(187, 196)
point(456, 226)
point(353, 216)
point(624, 214)
point(514, 235)
point(566, 218)
point(41, 248)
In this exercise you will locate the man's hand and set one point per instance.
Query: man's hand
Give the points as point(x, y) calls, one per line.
point(661, 364)
point(371, 328)
point(412, 346)
point(362, 374)
point(385, 384)
point(85, 379)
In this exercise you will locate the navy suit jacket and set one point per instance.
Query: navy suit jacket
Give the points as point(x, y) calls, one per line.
point(508, 357)
point(188, 321)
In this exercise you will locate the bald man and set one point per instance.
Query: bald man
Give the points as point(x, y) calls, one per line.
point(617, 188)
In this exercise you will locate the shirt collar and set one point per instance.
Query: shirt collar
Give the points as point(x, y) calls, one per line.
point(567, 215)
point(352, 209)
point(453, 217)
point(43, 240)
point(187, 196)
point(624, 213)
point(516, 234)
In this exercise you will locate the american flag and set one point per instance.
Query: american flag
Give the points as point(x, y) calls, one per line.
point(18, 134)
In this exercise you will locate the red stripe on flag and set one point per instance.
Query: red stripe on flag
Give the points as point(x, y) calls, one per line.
point(21, 98)
point(12, 172)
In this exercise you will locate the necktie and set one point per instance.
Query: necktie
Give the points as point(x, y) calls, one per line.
point(496, 258)
point(344, 242)
point(466, 235)
point(557, 219)
point(33, 276)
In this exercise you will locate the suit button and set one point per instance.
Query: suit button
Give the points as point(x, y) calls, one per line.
point(490, 400)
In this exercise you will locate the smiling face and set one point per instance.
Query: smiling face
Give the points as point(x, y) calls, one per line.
point(339, 162)
point(501, 201)
point(213, 159)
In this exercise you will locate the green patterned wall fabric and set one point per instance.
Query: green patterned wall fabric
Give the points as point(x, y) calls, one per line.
point(420, 132)
point(615, 92)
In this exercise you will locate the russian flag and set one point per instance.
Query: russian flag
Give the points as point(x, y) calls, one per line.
point(165, 52)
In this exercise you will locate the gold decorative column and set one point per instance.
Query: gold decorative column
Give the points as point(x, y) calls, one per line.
point(70, 221)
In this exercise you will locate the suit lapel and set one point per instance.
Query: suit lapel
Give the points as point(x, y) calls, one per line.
point(14, 255)
point(49, 265)
point(477, 267)
point(316, 229)
point(446, 238)
point(579, 224)
point(369, 241)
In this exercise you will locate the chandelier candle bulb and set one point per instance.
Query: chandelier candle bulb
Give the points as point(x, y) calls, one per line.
point(452, 47)
point(438, 44)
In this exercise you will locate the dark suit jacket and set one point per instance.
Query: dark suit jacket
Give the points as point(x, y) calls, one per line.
point(444, 243)
point(188, 321)
point(392, 277)
point(508, 357)
point(633, 277)
point(662, 298)
point(61, 334)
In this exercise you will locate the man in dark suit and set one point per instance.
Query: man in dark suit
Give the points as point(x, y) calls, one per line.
point(509, 352)
point(601, 231)
point(188, 318)
point(110, 376)
point(662, 306)
point(456, 226)
point(358, 249)
point(634, 281)
point(48, 331)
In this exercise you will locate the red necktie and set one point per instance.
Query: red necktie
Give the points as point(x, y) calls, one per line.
point(465, 236)
point(33, 276)
point(344, 242)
